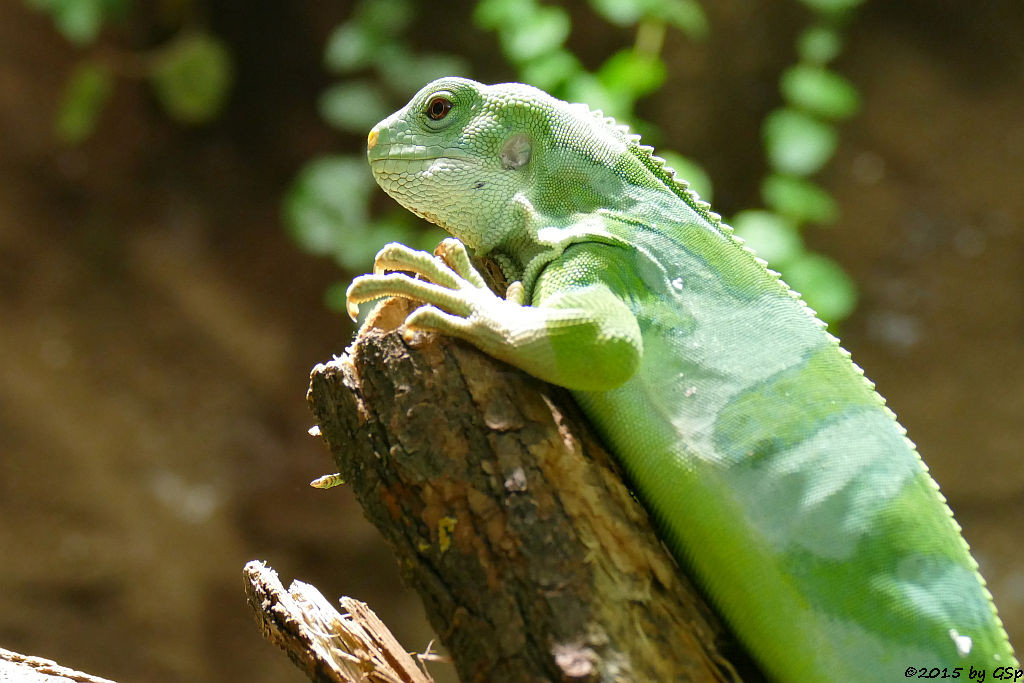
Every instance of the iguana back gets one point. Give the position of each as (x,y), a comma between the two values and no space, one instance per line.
(779,476)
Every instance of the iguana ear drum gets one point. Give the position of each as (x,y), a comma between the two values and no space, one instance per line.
(515,153)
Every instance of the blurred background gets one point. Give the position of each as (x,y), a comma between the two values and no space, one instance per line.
(184,197)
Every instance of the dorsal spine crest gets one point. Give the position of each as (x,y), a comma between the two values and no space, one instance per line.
(662,171)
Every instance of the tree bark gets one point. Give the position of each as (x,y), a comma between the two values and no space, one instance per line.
(507,516)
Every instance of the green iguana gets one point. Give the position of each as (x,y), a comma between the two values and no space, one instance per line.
(776,473)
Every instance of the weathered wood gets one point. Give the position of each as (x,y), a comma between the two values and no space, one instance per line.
(330,647)
(532,558)
(19,668)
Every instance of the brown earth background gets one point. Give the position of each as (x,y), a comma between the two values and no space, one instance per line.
(157,326)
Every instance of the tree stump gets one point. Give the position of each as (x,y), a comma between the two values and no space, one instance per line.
(507,516)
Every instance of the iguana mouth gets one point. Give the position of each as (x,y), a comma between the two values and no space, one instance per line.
(399,157)
(416,157)
(383,145)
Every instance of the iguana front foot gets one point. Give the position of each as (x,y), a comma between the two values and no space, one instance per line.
(559,342)
(458,301)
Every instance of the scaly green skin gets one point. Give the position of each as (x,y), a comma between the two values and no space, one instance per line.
(777,474)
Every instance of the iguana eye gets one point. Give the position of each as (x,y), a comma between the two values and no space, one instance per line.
(438,108)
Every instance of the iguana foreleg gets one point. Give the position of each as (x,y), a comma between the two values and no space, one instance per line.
(557,339)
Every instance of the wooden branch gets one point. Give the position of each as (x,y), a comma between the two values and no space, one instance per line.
(20,668)
(532,558)
(329,647)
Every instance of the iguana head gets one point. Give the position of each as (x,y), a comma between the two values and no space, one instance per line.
(475,158)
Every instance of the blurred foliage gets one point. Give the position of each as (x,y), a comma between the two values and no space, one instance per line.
(327,209)
(191,77)
(190,74)
(799,139)
(87,90)
(80,21)
(333,192)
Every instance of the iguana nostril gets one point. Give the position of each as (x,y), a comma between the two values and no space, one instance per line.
(371,139)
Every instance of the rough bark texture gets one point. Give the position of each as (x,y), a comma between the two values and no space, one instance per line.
(533,560)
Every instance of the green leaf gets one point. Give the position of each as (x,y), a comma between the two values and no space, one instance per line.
(621,12)
(798,199)
(327,204)
(494,14)
(386,17)
(819,45)
(819,91)
(80,21)
(798,143)
(353,106)
(551,70)
(533,34)
(824,285)
(631,74)
(87,91)
(690,171)
(192,77)
(686,15)
(349,47)
(772,237)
